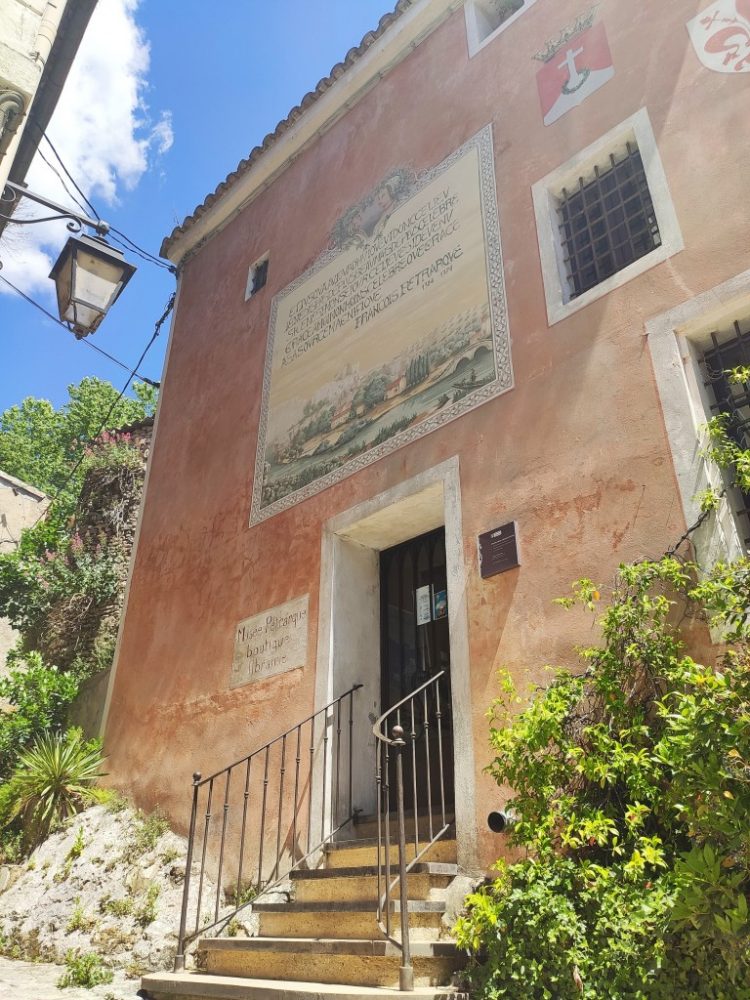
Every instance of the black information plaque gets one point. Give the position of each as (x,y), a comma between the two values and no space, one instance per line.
(498,550)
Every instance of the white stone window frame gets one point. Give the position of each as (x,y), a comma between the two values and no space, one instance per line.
(547,191)
(249,293)
(677,340)
(478,32)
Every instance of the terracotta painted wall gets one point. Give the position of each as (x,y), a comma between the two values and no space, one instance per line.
(576,452)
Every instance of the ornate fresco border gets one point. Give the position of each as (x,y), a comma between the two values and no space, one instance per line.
(483,143)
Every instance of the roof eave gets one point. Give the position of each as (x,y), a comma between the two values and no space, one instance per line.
(396,36)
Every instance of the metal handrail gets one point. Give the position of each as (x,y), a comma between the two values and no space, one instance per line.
(329,796)
(384,744)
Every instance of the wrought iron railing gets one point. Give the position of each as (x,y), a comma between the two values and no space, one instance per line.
(415,745)
(253,828)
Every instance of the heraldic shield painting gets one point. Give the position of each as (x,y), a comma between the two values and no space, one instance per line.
(721,36)
(400,327)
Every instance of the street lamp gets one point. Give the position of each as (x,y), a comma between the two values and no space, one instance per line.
(89,273)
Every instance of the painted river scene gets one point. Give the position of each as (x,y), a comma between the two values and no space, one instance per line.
(360,410)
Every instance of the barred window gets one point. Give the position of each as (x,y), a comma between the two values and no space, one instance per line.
(728,351)
(607,222)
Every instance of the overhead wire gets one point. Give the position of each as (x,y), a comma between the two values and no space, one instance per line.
(60,177)
(65,169)
(88,343)
(157,330)
(139,250)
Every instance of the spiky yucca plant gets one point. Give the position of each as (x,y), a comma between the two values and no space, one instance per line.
(54,779)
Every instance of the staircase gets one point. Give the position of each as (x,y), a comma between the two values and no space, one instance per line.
(326,941)
(368,914)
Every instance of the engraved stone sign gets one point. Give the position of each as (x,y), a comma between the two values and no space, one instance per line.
(271,643)
(398,328)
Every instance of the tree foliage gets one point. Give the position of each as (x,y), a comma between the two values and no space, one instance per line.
(41,445)
(54,572)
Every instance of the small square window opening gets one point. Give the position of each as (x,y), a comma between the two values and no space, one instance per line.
(486,18)
(256,277)
(607,222)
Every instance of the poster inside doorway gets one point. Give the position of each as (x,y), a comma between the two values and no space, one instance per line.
(397,329)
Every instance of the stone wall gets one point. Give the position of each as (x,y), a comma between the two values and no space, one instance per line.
(27,32)
(107,516)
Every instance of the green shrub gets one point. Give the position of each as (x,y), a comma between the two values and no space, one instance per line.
(144,835)
(632,795)
(117,907)
(39,696)
(78,920)
(85,970)
(146,912)
(54,780)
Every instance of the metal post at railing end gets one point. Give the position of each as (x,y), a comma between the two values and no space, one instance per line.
(179,961)
(406,972)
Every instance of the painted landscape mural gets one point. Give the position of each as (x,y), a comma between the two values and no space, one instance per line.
(398,328)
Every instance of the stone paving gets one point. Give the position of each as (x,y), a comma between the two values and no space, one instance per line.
(37,981)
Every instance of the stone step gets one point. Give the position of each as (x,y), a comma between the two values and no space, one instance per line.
(194,986)
(367,826)
(351,963)
(364,851)
(427,880)
(344,921)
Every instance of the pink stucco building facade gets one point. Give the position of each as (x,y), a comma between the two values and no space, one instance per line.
(387,326)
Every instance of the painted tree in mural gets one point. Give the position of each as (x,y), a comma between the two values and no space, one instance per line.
(631,789)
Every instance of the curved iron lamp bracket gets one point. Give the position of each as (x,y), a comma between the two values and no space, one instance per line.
(12,193)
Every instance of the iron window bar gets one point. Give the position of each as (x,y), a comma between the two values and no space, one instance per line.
(608,222)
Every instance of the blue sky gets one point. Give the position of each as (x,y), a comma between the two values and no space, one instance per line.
(176,92)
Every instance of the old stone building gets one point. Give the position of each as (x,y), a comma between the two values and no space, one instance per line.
(38,41)
(444,342)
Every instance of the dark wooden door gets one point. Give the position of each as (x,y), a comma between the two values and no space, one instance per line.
(415,645)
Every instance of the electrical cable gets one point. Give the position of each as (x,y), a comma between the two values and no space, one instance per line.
(145,254)
(157,330)
(60,177)
(88,343)
(67,172)
(134,246)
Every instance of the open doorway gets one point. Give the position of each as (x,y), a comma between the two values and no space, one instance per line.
(415,647)
(351,626)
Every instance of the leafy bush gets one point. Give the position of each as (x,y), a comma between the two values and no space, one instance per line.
(632,795)
(85,970)
(39,696)
(54,780)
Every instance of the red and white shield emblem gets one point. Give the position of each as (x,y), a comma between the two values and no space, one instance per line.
(721,36)
(578,68)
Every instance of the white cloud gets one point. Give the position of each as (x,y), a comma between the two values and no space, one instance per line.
(103,130)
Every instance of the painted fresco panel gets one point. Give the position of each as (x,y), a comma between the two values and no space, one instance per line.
(398,328)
